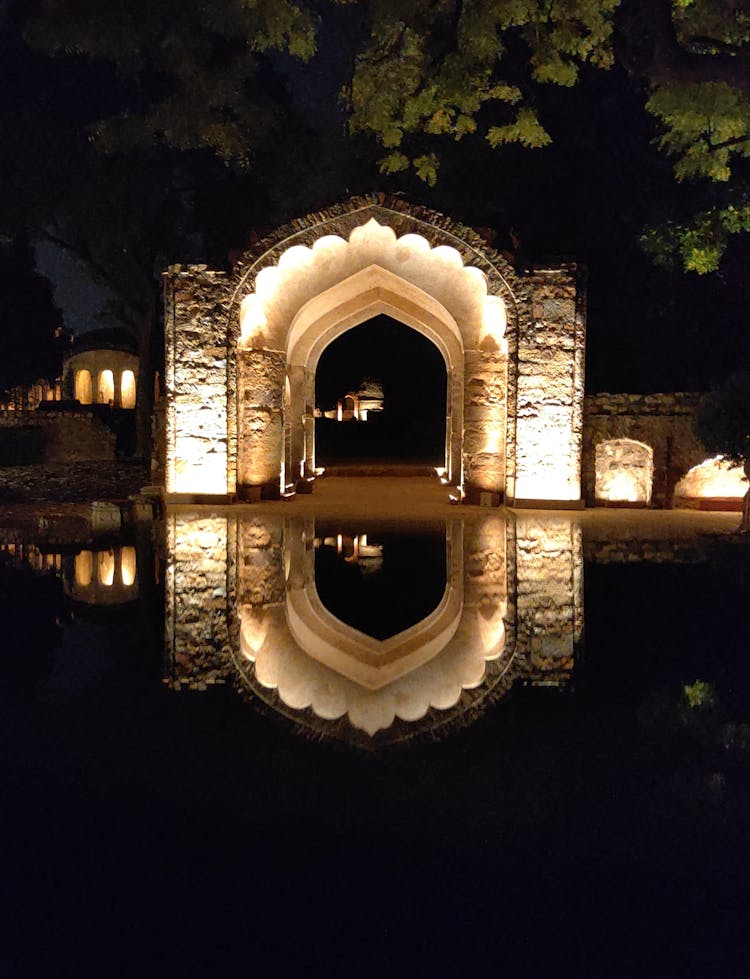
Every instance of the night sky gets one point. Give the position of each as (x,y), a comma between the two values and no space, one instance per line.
(585,198)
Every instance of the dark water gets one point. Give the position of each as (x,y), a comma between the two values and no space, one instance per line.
(596,828)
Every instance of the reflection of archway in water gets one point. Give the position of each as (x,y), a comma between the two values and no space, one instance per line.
(298,657)
(412,370)
(515,597)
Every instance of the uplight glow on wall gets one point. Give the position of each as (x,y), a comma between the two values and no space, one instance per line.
(713,479)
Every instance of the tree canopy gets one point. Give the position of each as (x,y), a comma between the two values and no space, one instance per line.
(445,71)
(177,126)
(204,75)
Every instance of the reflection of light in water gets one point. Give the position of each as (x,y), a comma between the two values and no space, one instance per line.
(84,568)
(127,565)
(314,660)
(713,478)
(355,550)
(510,612)
(301,681)
(106,567)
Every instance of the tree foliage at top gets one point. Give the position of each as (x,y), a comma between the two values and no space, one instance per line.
(448,69)
(189,69)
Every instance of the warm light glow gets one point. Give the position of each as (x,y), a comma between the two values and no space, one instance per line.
(252,318)
(106,563)
(106,388)
(624,471)
(620,487)
(714,478)
(494,437)
(127,389)
(128,565)
(84,568)
(545,470)
(83,387)
(494,322)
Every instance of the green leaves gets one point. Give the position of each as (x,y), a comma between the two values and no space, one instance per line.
(192,63)
(707,126)
(697,245)
(432,68)
(525,129)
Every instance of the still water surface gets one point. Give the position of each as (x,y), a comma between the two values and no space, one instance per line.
(487,745)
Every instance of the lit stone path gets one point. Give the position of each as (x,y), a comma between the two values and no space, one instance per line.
(414,498)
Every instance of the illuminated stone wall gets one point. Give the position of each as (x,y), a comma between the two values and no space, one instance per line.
(195,380)
(241,351)
(664,422)
(549,386)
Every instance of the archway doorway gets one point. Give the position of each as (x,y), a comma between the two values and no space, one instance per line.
(380,396)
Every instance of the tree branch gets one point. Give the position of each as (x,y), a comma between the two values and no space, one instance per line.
(647,46)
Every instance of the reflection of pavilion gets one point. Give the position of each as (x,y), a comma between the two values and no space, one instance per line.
(242,603)
(104,575)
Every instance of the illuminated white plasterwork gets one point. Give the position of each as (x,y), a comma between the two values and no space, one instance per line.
(269,312)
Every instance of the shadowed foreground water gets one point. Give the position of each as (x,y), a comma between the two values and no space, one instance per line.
(596,827)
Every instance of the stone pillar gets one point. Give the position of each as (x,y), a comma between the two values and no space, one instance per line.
(195,381)
(486,373)
(260,434)
(549,393)
(295,420)
(308,422)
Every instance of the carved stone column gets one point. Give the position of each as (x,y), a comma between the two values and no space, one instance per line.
(260,435)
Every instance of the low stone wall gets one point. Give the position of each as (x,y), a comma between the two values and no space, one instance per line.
(664,422)
(28,437)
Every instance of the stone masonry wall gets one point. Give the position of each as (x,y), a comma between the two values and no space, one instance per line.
(662,421)
(54,436)
(195,330)
(549,389)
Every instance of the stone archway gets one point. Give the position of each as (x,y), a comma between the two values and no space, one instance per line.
(334,287)
(512,345)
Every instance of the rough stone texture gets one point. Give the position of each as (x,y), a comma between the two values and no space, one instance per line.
(522,412)
(624,471)
(196,380)
(549,597)
(54,436)
(197,626)
(548,390)
(520,612)
(664,422)
(71,482)
(260,396)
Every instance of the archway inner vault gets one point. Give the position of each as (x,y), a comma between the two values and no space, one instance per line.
(288,320)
